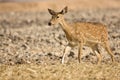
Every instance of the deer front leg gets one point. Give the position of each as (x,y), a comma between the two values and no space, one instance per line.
(66,50)
(80,46)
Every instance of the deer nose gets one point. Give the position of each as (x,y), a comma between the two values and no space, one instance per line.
(49,23)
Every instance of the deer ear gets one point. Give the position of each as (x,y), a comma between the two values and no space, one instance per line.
(64,10)
(51,12)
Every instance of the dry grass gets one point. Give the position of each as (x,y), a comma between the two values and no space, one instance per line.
(72,71)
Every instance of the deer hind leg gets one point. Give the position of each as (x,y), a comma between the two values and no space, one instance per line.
(107,48)
(97,50)
(66,51)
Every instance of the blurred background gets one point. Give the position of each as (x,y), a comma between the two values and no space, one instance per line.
(24,24)
(42,5)
(19,0)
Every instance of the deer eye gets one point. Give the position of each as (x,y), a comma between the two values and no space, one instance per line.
(57,16)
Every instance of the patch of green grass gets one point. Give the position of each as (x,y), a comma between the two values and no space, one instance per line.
(71,71)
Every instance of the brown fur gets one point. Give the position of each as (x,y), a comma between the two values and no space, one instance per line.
(89,34)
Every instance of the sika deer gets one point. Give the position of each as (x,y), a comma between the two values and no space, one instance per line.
(81,34)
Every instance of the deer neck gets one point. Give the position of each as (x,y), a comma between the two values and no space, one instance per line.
(66,28)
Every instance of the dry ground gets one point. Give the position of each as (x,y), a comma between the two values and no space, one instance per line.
(72,71)
(32,50)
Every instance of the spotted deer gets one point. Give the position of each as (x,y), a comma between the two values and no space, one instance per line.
(93,35)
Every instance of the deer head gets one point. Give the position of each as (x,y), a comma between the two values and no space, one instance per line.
(57,17)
